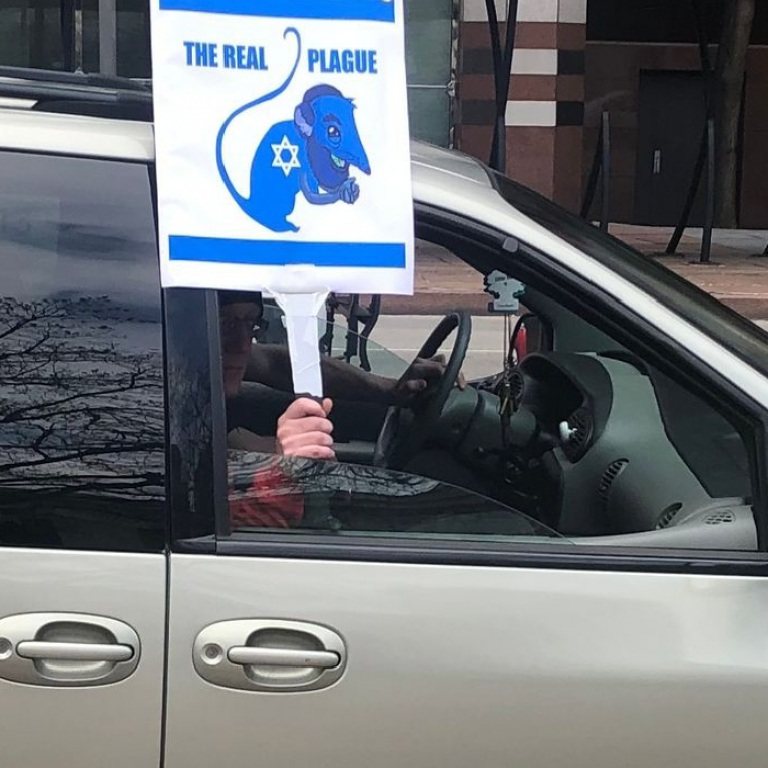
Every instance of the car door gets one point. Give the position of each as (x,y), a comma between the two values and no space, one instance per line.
(82,465)
(411,646)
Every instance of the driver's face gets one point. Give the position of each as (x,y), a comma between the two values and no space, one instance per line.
(238,322)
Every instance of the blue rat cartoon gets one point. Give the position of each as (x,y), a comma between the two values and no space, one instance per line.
(311,154)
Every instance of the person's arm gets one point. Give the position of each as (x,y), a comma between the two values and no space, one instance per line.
(271,365)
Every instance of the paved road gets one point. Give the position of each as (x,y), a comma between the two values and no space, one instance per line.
(403,336)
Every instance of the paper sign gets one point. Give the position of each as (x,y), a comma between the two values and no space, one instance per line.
(282,144)
(301,325)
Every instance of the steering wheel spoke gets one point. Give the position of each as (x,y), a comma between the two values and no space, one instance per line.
(398,442)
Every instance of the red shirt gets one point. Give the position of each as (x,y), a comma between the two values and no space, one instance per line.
(272,501)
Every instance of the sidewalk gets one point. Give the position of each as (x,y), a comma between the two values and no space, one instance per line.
(735,275)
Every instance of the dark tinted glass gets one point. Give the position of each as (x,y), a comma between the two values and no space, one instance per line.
(663,21)
(82,462)
(41,34)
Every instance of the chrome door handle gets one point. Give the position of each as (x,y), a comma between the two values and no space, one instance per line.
(66,649)
(269,655)
(31,649)
(282,657)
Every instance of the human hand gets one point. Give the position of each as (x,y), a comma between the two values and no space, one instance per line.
(420,375)
(304,430)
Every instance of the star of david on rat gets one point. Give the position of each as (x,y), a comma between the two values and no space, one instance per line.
(312,154)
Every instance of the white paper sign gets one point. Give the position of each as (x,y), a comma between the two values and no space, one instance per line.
(282,144)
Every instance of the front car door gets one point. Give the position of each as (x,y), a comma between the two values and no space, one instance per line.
(379,632)
(82,464)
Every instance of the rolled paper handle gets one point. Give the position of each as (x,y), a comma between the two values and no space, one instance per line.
(307,396)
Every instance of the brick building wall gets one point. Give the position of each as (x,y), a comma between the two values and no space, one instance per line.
(545,107)
(560,84)
(613,72)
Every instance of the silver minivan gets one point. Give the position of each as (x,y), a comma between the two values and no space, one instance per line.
(561,564)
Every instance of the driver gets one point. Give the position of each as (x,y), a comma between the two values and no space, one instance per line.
(305,429)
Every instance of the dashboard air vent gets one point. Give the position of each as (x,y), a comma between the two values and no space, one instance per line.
(517,385)
(580,436)
(609,477)
(718,518)
(667,517)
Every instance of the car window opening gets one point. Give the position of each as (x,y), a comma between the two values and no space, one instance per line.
(545,428)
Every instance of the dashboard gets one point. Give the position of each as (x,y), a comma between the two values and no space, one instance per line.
(609,464)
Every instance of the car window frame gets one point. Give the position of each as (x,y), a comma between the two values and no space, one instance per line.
(307,545)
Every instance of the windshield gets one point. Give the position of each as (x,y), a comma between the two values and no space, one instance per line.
(724,325)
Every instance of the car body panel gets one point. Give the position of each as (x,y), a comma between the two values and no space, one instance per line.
(28,131)
(118,725)
(456,666)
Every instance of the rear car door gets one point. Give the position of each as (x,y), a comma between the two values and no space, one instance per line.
(82,465)
(337,647)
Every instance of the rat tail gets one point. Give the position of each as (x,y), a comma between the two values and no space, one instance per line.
(242,201)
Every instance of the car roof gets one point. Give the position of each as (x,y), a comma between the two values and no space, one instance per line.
(79,135)
(462,168)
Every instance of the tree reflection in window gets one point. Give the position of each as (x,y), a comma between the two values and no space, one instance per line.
(81,416)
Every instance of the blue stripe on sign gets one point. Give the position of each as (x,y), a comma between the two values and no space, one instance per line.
(281,253)
(356,10)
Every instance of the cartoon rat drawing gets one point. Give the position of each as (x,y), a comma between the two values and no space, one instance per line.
(311,154)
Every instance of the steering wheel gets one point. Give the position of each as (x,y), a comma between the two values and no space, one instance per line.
(398,442)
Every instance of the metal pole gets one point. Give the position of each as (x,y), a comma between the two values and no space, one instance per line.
(706,240)
(37,36)
(67,18)
(594,176)
(698,172)
(605,211)
(502,70)
(699,12)
(78,35)
(497,160)
(108,37)
(503,94)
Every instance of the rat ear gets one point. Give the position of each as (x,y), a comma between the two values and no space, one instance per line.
(304,118)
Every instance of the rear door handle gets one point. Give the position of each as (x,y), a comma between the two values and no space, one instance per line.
(31,649)
(66,649)
(269,655)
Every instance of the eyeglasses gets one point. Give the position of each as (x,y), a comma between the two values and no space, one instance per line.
(237,325)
